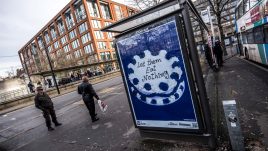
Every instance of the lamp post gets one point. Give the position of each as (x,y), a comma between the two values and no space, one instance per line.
(49,62)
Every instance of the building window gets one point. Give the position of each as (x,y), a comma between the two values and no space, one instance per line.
(69,57)
(49,49)
(80,12)
(99,35)
(250,37)
(266,33)
(105,10)
(112,45)
(101,45)
(56,44)
(59,53)
(118,12)
(85,38)
(114,55)
(63,40)
(107,23)
(66,48)
(258,35)
(88,49)
(60,27)
(83,27)
(108,55)
(131,12)
(75,44)
(78,53)
(69,20)
(47,38)
(34,49)
(93,8)
(96,23)
(40,44)
(53,33)
(72,34)
(110,35)
(91,59)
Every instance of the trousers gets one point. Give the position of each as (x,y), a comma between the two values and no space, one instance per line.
(50,112)
(90,104)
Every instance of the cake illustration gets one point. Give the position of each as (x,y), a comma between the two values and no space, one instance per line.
(156,79)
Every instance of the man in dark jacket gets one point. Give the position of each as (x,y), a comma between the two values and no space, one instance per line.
(87,91)
(218,52)
(44,103)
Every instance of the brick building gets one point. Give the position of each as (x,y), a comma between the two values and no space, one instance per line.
(74,41)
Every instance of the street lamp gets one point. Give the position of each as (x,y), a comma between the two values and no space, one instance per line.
(49,62)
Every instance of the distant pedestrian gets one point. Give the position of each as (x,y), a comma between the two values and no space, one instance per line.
(49,83)
(44,103)
(208,55)
(87,92)
(31,87)
(218,53)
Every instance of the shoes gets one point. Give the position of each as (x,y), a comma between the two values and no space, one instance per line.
(50,129)
(95,119)
(58,124)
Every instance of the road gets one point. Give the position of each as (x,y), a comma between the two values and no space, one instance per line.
(19,130)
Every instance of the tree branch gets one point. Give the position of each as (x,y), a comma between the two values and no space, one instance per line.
(223,5)
(212,6)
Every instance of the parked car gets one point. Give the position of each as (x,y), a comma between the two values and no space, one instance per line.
(64,81)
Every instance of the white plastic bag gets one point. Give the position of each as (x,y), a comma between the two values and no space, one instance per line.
(102,105)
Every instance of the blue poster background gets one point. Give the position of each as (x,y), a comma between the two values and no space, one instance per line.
(159,36)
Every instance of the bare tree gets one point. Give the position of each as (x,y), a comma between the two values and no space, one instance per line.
(218,7)
(143,4)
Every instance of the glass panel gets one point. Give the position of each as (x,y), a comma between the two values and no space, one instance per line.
(69,20)
(266,33)
(80,13)
(246,6)
(82,28)
(250,37)
(118,12)
(93,9)
(258,35)
(106,13)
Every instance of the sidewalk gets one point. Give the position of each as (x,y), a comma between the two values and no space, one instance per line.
(248,85)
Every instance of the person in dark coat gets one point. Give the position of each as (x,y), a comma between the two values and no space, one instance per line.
(31,87)
(218,53)
(44,103)
(87,92)
(208,55)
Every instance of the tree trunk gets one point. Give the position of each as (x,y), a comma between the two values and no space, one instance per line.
(221,34)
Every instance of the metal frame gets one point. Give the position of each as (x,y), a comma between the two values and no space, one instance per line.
(192,87)
(192,65)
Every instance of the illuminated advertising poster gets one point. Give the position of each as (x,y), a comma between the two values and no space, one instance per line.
(156,78)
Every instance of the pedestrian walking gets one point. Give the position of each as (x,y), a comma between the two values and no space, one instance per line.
(208,55)
(44,103)
(87,92)
(218,53)
(31,87)
(49,83)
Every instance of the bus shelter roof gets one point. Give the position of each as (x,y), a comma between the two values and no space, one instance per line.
(153,13)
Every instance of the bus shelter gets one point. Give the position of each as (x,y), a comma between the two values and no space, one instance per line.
(162,74)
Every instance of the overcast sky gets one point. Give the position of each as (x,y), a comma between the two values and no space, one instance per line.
(20,20)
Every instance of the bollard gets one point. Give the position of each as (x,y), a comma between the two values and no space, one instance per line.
(233,125)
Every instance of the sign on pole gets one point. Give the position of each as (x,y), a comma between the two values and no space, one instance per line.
(155,74)
(205,16)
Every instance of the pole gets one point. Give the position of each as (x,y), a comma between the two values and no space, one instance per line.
(50,65)
(198,76)
(211,25)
